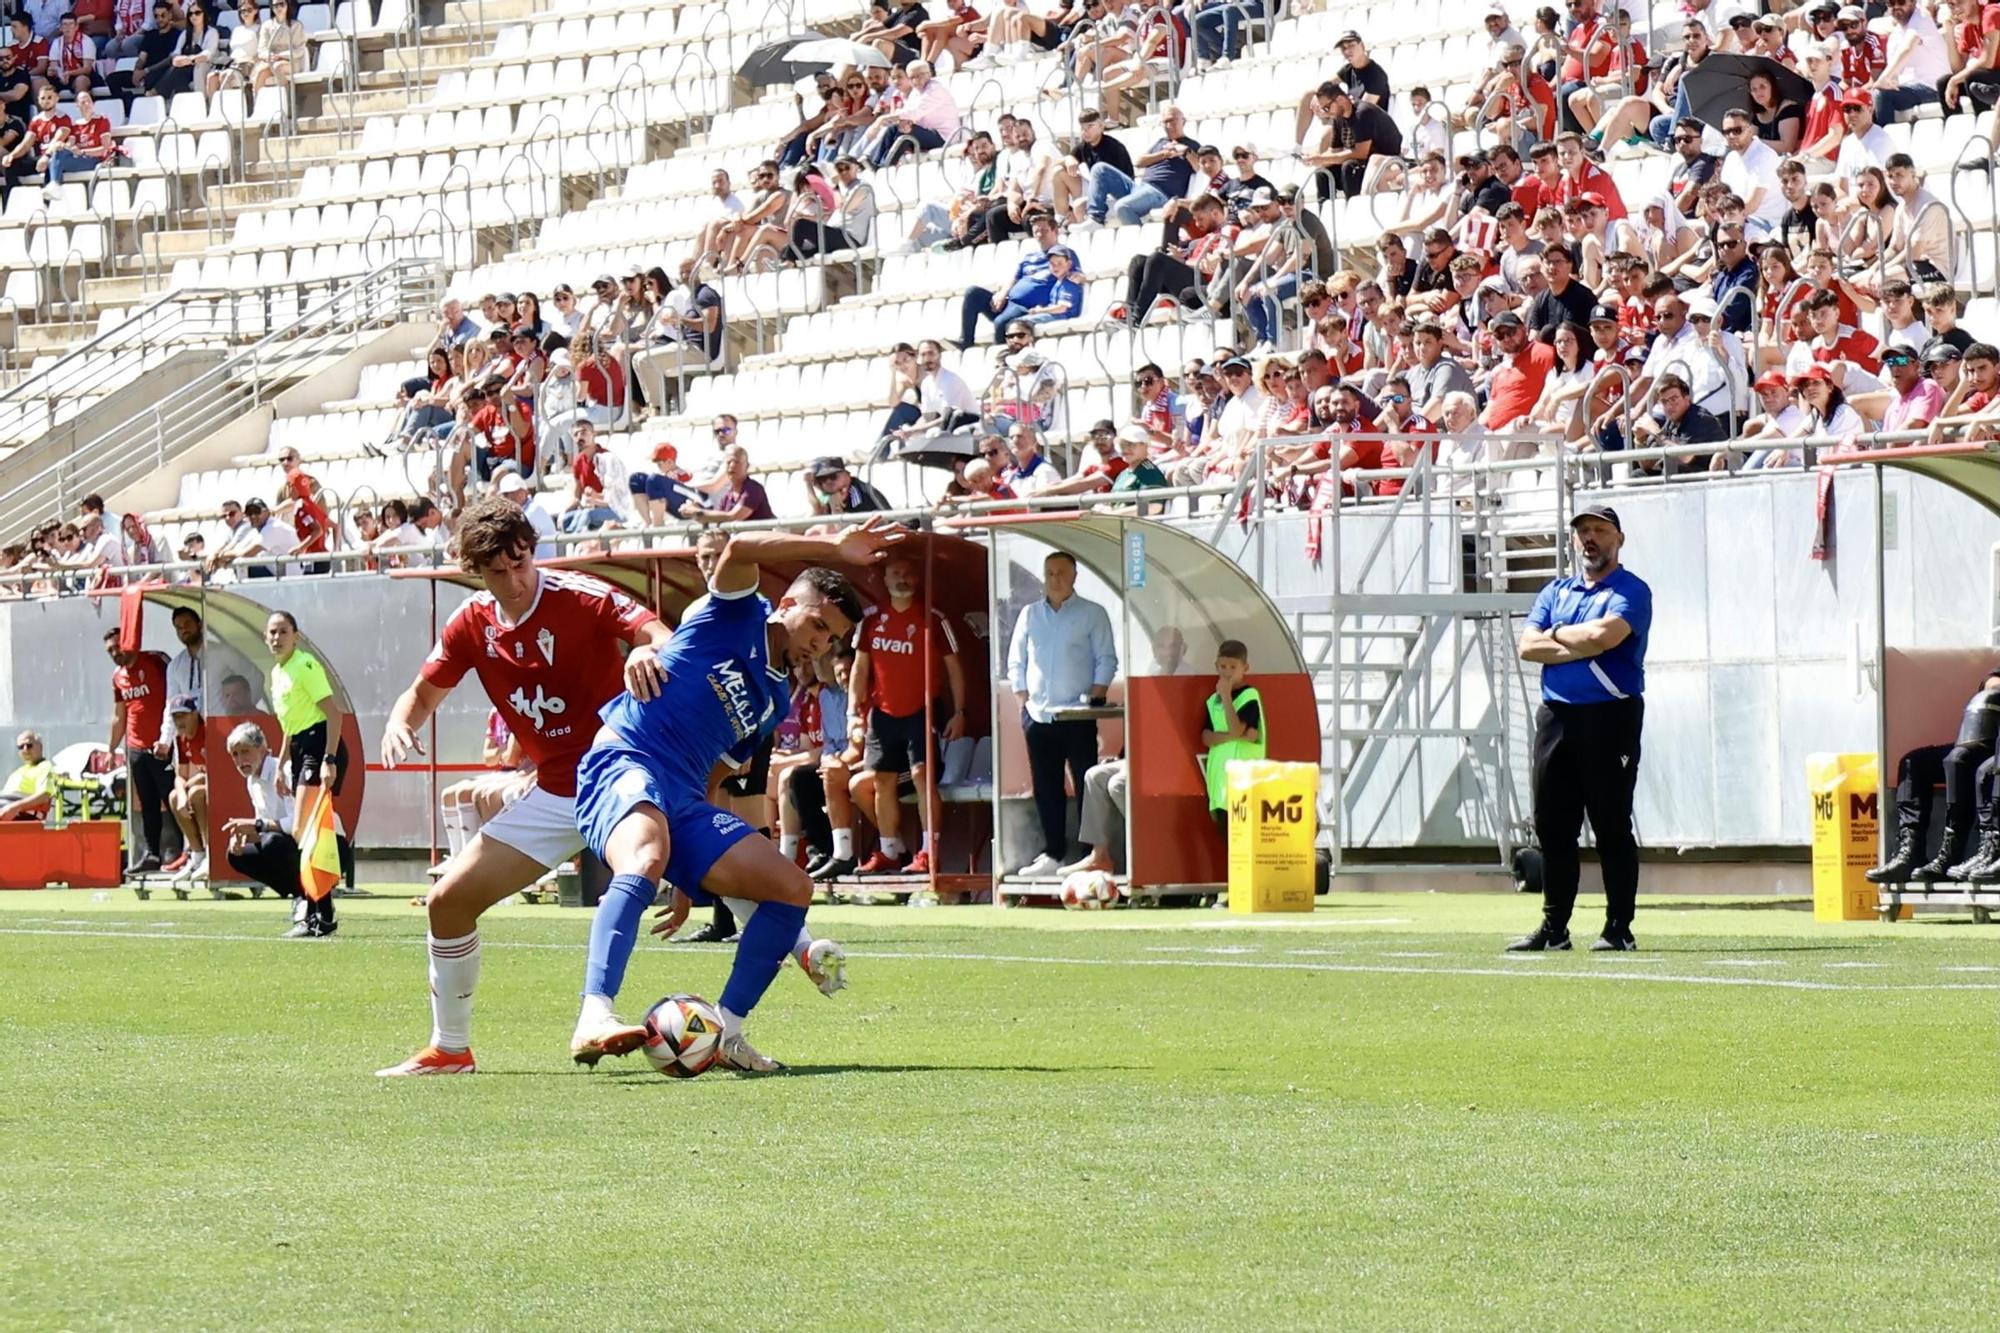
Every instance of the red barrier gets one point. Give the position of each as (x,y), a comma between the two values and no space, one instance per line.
(83,855)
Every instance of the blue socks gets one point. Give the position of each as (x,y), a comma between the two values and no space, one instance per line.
(767,941)
(615,930)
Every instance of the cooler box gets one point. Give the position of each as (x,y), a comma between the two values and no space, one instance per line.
(1273,821)
(1847,828)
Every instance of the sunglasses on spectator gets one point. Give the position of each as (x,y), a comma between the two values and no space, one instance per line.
(1149,379)
(1012,336)
(24,745)
(990,453)
(1731,131)
(288,458)
(1242,157)
(724,429)
(1687,138)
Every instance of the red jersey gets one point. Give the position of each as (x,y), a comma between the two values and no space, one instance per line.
(1635,321)
(1532,192)
(142,689)
(188,751)
(1850,345)
(585,472)
(30,54)
(309,517)
(1593,179)
(46,128)
(1863,60)
(893,641)
(1823,113)
(1972,36)
(92,133)
(547,674)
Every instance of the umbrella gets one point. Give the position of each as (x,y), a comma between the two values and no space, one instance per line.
(801,55)
(939,450)
(1721,84)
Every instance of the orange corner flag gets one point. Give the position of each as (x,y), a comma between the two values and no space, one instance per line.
(319,846)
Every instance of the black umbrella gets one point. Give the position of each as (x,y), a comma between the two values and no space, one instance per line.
(943,451)
(782,61)
(1721,84)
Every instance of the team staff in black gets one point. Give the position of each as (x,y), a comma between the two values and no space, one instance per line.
(1957,768)
(1588,633)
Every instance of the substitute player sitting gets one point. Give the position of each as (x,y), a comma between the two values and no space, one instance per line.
(898,665)
(641,789)
(541,643)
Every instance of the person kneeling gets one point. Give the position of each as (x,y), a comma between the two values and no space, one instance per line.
(262,848)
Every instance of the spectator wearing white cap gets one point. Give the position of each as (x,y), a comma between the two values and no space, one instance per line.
(514,488)
(1918,61)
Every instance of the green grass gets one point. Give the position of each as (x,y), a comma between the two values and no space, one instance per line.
(1366,1119)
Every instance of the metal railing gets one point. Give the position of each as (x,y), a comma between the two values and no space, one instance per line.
(144,443)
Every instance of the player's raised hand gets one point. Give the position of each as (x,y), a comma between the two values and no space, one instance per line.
(644,676)
(673,916)
(870,540)
(398,744)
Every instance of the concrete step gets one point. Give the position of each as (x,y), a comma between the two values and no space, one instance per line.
(41,339)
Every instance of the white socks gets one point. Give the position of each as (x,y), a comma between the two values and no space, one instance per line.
(893,848)
(596,1009)
(843,843)
(461,823)
(454,974)
(732,1024)
(925,845)
(788,846)
(743,909)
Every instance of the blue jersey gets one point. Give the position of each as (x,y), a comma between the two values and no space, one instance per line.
(1618,674)
(722,696)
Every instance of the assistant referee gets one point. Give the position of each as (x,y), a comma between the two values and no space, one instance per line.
(1588,633)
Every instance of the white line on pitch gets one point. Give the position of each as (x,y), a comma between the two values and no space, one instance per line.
(412,944)
(1743,962)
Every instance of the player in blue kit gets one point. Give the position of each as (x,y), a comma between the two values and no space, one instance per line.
(642,789)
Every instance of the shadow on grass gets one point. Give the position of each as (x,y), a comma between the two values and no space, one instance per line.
(641,1073)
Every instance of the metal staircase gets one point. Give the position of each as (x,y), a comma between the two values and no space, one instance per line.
(247,378)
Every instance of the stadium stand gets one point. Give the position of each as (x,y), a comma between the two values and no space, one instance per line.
(461,153)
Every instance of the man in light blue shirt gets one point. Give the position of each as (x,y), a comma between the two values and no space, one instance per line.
(1061,656)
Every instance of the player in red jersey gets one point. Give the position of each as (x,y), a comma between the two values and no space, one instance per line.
(889,674)
(539,641)
(139,685)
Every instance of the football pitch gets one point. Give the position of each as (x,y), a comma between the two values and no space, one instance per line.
(1364,1119)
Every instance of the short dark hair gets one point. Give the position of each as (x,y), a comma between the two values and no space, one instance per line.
(91,504)
(1667,382)
(490,528)
(1900,160)
(831,585)
(1059,555)
(291,621)
(111,635)
(1233,648)
(1982,352)
(180,611)
(1824,299)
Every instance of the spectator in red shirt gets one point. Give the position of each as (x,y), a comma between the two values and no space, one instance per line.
(139,687)
(46,130)
(1543,183)
(302,504)
(1975,55)
(1862,55)
(1517,382)
(1581,176)
(1834,341)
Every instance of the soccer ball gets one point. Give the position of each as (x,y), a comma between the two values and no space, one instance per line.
(683,1035)
(1088,890)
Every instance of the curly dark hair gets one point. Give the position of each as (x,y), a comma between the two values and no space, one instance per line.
(489,528)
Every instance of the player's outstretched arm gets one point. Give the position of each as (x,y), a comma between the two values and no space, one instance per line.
(399,737)
(861,544)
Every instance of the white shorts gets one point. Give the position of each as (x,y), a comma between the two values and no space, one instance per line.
(540,826)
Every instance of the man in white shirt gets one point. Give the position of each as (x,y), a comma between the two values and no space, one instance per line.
(1918,61)
(1691,347)
(261,848)
(514,489)
(1031,473)
(189,672)
(1866,144)
(100,546)
(944,400)
(1750,170)
(271,536)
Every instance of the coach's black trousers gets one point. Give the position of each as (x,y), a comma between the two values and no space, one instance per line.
(1053,746)
(149,779)
(1587,764)
(807,786)
(271,859)
(1956,767)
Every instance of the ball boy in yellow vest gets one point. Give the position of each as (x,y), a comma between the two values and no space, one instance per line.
(1235,726)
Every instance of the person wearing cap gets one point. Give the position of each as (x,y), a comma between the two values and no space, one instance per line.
(30,789)
(1500,34)
(1824,125)
(1286,260)
(1862,58)
(1761,441)
(188,800)
(1588,632)
(1919,401)
(514,489)
(1827,410)
(1517,381)
(1357,135)
(832,489)
(1973,400)
(1941,366)
(1364,80)
(1916,58)
(1865,144)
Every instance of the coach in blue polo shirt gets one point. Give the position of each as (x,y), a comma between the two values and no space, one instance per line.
(1588,633)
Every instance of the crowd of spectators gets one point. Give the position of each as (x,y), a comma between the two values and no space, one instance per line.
(58,62)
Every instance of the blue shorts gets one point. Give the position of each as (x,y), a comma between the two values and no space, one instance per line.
(613,780)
